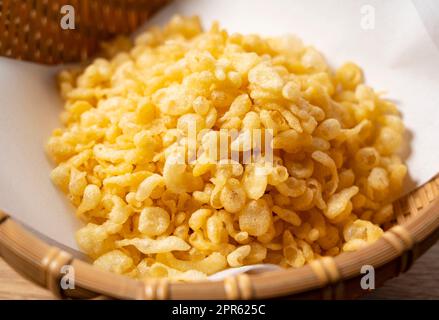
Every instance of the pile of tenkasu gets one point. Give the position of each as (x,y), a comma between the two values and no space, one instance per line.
(327,188)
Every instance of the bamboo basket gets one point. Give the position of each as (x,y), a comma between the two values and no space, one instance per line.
(30,29)
(416,229)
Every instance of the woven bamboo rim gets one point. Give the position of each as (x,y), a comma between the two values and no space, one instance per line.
(22,24)
(328,278)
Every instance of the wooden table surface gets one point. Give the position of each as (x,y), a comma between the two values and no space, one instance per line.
(421,282)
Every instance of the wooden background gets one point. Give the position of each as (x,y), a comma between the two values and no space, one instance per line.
(421,282)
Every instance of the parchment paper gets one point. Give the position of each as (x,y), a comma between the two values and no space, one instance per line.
(398,56)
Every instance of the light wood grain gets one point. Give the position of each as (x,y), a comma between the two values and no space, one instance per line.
(14,286)
(421,282)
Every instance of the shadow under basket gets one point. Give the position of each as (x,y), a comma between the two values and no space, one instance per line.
(30,31)
(417,229)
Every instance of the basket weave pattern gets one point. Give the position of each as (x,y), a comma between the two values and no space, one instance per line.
(31,29)
(327,278)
